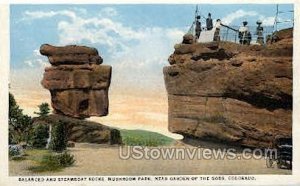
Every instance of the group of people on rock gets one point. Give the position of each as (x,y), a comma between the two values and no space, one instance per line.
(198,28)
(244,33)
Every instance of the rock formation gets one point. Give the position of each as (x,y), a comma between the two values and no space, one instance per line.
(77,82)
(82,131)
(79,89)
(231,93)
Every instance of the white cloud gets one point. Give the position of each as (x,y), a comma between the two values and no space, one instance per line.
(267,21)
(29,15)
(96,30)
(29,63)
(39,14)
(237,15)
(37,53)
(37,61)
(100,29)
(137,55)
(80,10)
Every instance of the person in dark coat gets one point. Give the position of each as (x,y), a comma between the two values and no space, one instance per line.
(259,33)
(198,27)
(209,22)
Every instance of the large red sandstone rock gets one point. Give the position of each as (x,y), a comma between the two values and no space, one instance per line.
(77,82)
(241,96)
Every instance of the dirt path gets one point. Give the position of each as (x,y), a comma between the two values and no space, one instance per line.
(102,160)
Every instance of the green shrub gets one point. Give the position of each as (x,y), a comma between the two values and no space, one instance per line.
(61,160)
(66,159)
(40,135)
(15,150)
(54,162)
(115,137)
(58,137)
(16,153)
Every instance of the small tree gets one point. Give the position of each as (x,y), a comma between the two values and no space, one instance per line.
(58,137)
(40,135)
(44,110)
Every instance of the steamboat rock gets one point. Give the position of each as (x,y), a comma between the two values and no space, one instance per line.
(231,93)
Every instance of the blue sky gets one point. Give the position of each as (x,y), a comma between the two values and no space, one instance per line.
(135,39)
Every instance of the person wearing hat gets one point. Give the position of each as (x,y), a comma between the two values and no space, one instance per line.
(217,31)
(259,33)
(209,22)
(244,34)
(198,27)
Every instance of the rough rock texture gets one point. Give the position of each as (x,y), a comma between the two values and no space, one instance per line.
(231,93)
(82,131)
(188,39)
(71,54)
(77,82)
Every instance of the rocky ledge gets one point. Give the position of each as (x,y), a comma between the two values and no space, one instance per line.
(77,82)
(231,93)
(82,131)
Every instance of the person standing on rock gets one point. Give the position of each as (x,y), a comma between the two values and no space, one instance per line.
(217,32)
(244,34)
(209,22)
(198,27)
(259,33)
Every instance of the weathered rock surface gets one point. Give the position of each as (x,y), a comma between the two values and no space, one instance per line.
(82,131)
(188,39)
(231,93)
(77,82)
(71,54)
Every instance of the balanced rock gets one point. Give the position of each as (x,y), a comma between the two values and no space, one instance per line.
(240,95)
(77,82)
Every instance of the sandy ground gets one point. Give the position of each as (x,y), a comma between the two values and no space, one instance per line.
(99,160)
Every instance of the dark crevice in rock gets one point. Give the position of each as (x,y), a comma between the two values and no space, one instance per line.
(83,105)
(211,143)
(198,95)
(219,54)
(282,76)
(268,103)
